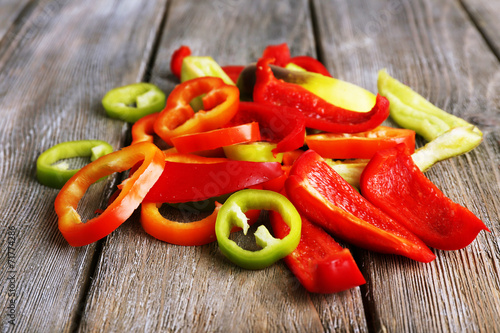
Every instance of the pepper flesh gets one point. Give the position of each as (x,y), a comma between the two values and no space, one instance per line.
(56,175)
(177,59)
(129,198)
(411,110)
(319,262)
(134,101)
(415,202)
(360,145)
(217,138)
(192,233)
(284,126)
(329,201)
(178,118)
(231,214)
(318,113)
(212,179)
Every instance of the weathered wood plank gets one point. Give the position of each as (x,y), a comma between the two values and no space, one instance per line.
(52,78)
(485,15)
(144,284)
(434,48)
(12,11)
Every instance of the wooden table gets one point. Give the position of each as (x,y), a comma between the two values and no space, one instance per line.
(59,57)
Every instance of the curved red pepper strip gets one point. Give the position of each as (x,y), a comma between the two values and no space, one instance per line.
(217,138)
(320,264)
(310,64)
(282,125)
(143,129)
(325,198)
(182,182)
(280,53)
(177,58)
(318,113)
(393,182)
(129,198)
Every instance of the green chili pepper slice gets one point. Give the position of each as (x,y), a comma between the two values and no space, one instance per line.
(457,141)
(232,214)
(411,110)
(56,175)
(134,101)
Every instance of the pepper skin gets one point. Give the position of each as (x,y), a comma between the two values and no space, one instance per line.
(393,182)
(129,198)
(319,114)
(319,262)
(324,197)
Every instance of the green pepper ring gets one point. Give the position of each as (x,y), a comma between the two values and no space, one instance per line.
(272,249)
(147,98)
(53,175)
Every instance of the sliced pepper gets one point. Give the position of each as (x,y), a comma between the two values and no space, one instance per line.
(181,182)
(143,129)
(217,138)
(193,233)
(284,126)
(454,142)
(177,59)
(196,66)
(55,175)
(310,64)
(320,264)
(280,53)
(324,197)
(131,194)
(340,93)
(253,152)
(415,202)
(232,214)
(178,118)
(360,145)
(411,110)
(132,102)
(319,114)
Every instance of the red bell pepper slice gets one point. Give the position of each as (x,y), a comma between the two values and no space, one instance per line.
(280,53)
(129,198)
(220,103)
(217,138)
(282,125)
(143,129)
(310,64)
(233,71)
(325,198)
(360,145)
(177,59)
(320,264)
(393,182)
(182,182)
(318,113)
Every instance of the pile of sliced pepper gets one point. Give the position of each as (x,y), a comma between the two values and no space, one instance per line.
(238,142)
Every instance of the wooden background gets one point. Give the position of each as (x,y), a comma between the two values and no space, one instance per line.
(59,57)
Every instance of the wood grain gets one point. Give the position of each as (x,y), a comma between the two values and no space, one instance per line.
(432,47)
(485,15)
(147,285)
(53,76)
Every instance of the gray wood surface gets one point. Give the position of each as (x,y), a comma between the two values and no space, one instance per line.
(445,59)
(52,77)
(58,58)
